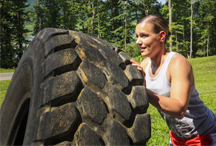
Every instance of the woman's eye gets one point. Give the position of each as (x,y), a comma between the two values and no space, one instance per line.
(143,36)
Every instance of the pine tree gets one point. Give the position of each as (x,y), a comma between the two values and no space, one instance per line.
(47,14)
(207,23)
(19,18)
(69,16)
(12,32)
(7,52)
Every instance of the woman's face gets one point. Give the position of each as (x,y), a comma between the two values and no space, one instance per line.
(148,41)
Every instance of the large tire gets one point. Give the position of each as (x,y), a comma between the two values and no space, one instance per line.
(71,88)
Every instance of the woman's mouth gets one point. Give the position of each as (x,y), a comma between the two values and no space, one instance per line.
(142,49)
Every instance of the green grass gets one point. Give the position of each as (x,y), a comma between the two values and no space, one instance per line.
(205,80)
(2,70)
(3,89)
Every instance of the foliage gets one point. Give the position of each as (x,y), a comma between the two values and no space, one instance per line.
(110,20)
(105,19)
(206,21)
(13,32)
(200,53)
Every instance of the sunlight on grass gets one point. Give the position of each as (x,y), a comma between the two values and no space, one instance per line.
(205,79)
(3,89)
(2,70)
(159,129)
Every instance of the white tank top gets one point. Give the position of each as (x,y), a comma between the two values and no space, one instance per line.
(198,120)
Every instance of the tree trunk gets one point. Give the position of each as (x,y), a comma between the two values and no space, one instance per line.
(125,41)
(19,32)
(98,18)
(207,46)
(176,41)
(170,22)
(88,15)
(191,30)
(92,21)
(204,46)
(112,11)
(64,15)
(39,16)
(183,36)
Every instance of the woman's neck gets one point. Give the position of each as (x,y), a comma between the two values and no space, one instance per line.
(159,58)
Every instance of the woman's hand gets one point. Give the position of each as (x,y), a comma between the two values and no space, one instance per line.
(140,68)
(136,64)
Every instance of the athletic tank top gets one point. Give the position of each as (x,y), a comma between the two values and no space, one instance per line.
(198,119)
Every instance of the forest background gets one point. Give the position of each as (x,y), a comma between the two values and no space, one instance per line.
(192,23)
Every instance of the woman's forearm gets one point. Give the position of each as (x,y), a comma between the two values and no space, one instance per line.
(170,106)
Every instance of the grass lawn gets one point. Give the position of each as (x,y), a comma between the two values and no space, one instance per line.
(205,80)
(3,89)
(2,70)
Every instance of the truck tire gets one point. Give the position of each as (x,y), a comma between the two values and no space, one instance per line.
(73,89)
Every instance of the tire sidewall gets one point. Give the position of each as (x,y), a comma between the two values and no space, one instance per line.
(25,84)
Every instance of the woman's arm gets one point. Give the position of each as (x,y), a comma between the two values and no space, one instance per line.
(181,78)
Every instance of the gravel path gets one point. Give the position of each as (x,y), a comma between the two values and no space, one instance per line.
(6,76)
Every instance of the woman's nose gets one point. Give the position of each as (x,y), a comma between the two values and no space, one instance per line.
(138,41)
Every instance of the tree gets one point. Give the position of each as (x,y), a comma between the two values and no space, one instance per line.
(47,14)
(93,17)
(98,18)
(12,32)
(125,39)
(19,18)
(38,17)
(206,19)
(7,50)
(116,25)
(179,27)
(69,14)
(170,22)
(191,30)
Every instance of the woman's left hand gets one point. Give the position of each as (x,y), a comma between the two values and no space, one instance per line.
(140,68)
(136,64)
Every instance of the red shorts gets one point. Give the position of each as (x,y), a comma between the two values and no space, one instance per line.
(202,140)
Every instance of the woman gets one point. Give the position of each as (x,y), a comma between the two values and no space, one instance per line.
(170,86)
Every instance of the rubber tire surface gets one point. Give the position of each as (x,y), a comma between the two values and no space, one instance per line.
(80,90)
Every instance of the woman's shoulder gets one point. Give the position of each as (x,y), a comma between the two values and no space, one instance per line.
(178,59)
(179,63)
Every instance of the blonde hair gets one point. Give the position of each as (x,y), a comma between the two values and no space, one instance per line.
(159,24)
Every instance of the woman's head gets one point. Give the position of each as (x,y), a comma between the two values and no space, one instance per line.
(152,32)
(158,23)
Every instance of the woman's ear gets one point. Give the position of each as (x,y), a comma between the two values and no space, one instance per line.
(162,36)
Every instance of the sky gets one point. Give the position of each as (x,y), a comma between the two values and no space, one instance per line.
(162,1)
